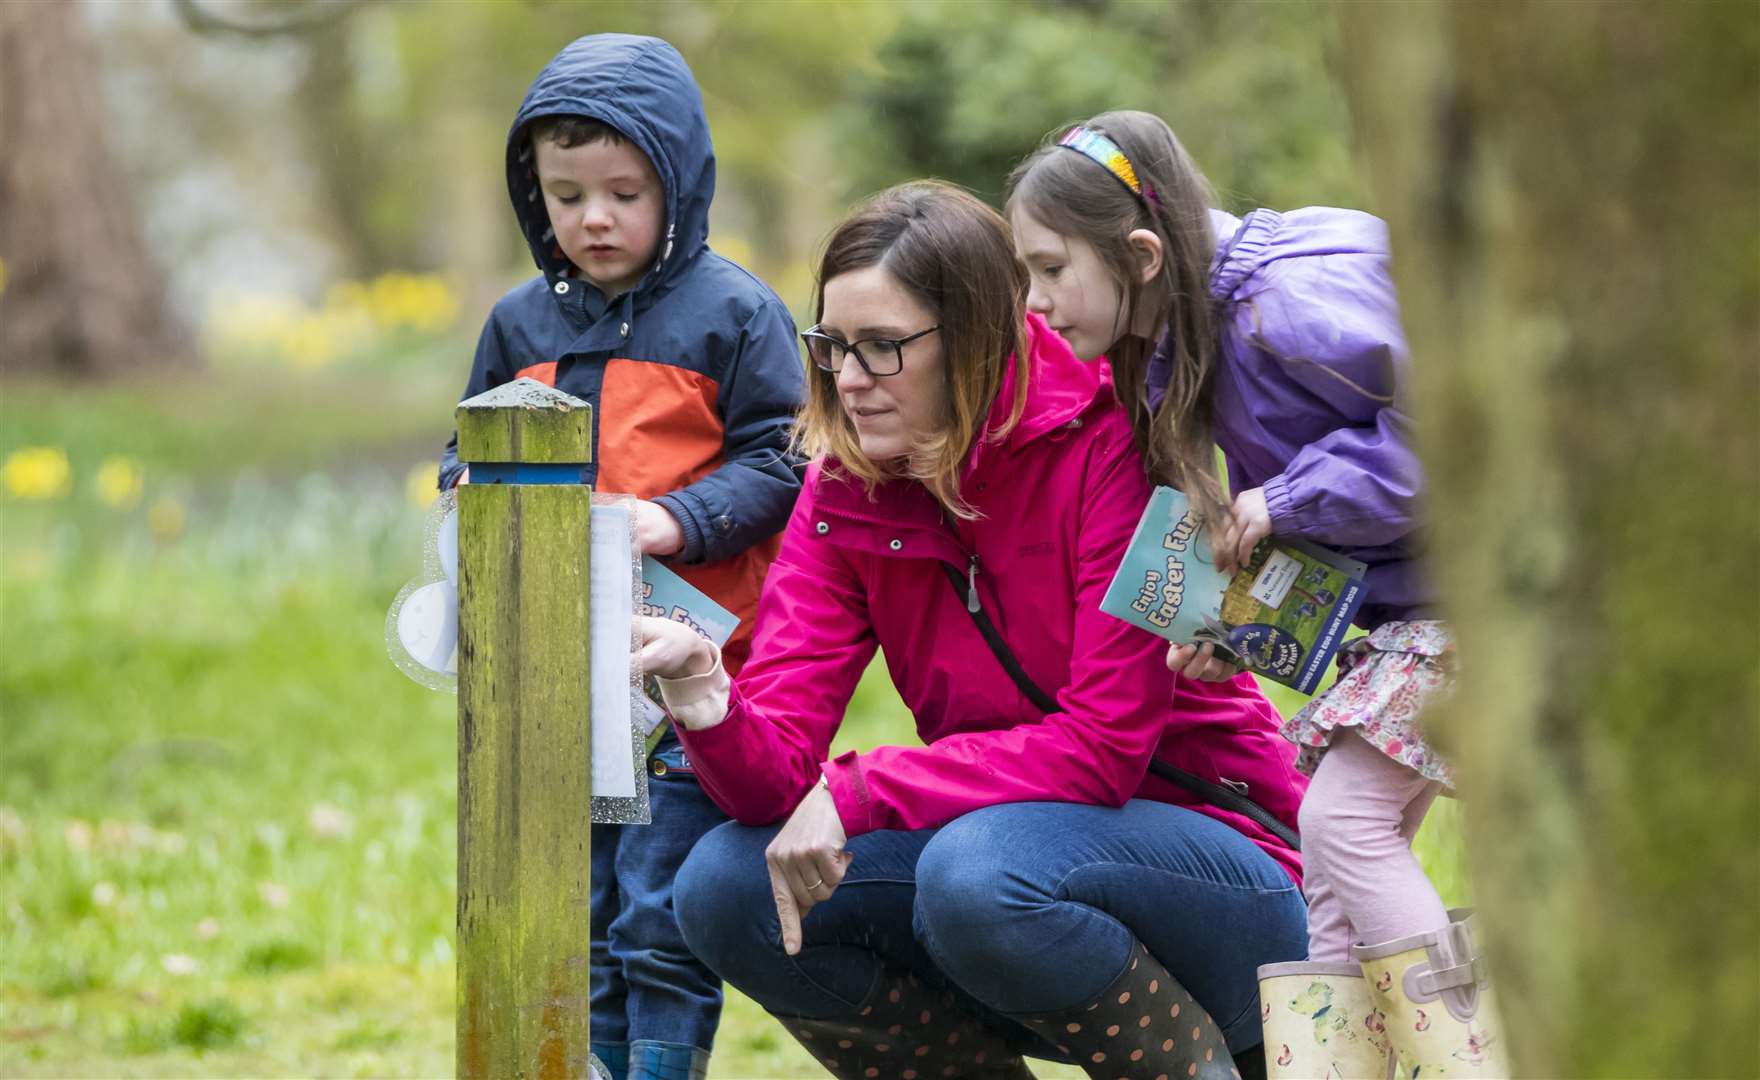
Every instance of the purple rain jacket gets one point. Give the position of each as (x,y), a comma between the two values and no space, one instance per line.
(1310,395)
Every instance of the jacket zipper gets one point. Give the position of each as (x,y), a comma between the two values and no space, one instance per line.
(972,604)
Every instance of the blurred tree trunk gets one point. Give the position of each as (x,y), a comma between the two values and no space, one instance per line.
(1574,194)
(470,228)
(81,295)
(349,159)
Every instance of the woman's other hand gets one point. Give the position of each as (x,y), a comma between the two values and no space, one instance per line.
(1200,662)
(1248,523)
(672,650)
(806,861)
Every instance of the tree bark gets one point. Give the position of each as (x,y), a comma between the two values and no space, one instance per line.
(1572,191)
(349,160)
(82,296)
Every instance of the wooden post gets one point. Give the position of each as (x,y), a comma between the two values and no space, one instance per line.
(524,752)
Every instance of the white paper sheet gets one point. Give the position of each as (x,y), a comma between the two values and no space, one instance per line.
(612,591)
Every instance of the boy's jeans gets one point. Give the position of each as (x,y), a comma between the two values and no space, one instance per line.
(647,987)
(1020,908)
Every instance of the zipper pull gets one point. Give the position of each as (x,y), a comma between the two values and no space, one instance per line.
(972,585)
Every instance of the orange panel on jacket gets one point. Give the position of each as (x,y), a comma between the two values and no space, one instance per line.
(544,373)
(658,432)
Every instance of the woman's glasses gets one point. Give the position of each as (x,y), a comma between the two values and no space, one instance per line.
(877,356)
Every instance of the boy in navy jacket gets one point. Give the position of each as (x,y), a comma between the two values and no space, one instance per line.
(692,369)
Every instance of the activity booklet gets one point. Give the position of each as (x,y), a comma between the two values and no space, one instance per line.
(666,595)
(1283,617)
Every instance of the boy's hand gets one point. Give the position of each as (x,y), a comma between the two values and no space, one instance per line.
(463,477)
(1248,523)
(657,531)
(1195,662)
(672,650)
(806,861)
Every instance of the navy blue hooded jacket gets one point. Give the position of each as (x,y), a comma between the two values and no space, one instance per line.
(694,375)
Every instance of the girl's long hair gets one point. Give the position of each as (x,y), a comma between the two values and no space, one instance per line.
(955,256)
(1071,194)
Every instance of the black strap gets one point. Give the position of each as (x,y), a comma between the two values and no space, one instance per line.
(1218,795)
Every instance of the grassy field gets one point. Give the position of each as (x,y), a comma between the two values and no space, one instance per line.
(227,835)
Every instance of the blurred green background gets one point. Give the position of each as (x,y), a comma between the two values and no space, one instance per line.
(227,823)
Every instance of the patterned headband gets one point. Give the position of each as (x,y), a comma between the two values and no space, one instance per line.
(1104,152)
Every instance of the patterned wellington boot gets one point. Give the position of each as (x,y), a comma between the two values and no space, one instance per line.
(908,1031)
(1143,1025)
(1433,992)
(666,1061)
(611,1059)
(1321,1024)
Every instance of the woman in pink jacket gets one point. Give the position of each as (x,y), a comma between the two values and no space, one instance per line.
(1020,884)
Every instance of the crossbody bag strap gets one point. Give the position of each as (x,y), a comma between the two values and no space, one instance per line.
(1215,794)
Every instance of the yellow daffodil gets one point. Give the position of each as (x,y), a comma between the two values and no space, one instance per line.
(421,485)
(37,472)
(119,483)
(165,519)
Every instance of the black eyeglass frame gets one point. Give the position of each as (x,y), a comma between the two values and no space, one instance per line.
(841,349)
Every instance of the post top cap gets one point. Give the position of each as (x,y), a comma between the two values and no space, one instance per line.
(524,393)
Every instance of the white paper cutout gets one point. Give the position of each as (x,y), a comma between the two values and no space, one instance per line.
(421,637)
(612,596)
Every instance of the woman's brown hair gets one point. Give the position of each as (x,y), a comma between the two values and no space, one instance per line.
(955,256)
(1073,195)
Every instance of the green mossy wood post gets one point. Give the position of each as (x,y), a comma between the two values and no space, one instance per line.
(524,768)
(1574,197)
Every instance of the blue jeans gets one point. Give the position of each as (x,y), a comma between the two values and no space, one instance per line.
(1023,908)
(646,985)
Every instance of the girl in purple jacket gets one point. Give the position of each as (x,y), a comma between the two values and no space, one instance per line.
(1277,337)
(1018,882)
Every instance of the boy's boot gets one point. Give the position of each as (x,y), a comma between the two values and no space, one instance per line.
(611,1059)
(1144,1024)
(666,1061)
(907,1031)
(1432,990)
(1320,1021)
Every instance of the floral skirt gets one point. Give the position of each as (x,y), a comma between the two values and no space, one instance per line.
(1385,680)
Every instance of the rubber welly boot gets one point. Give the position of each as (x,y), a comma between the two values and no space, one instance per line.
(908,1031)
(1320,1022)
(1434,994)
(667,1061)
(1143,1025)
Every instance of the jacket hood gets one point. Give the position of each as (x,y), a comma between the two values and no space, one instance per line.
(642,87)
(1247,245)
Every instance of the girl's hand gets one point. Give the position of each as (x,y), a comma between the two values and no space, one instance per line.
(1195,662)
(806,862)
(657,531)
(1248,523)
(673,650)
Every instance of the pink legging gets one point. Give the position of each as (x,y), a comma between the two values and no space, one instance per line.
(1363,883)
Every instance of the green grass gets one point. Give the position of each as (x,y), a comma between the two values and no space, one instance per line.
(227,823)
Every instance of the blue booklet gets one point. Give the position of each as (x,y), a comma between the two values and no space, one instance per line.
(668,596)
(1283,617)
(665,595)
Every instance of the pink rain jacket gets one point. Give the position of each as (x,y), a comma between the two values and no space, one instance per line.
(1060,496)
